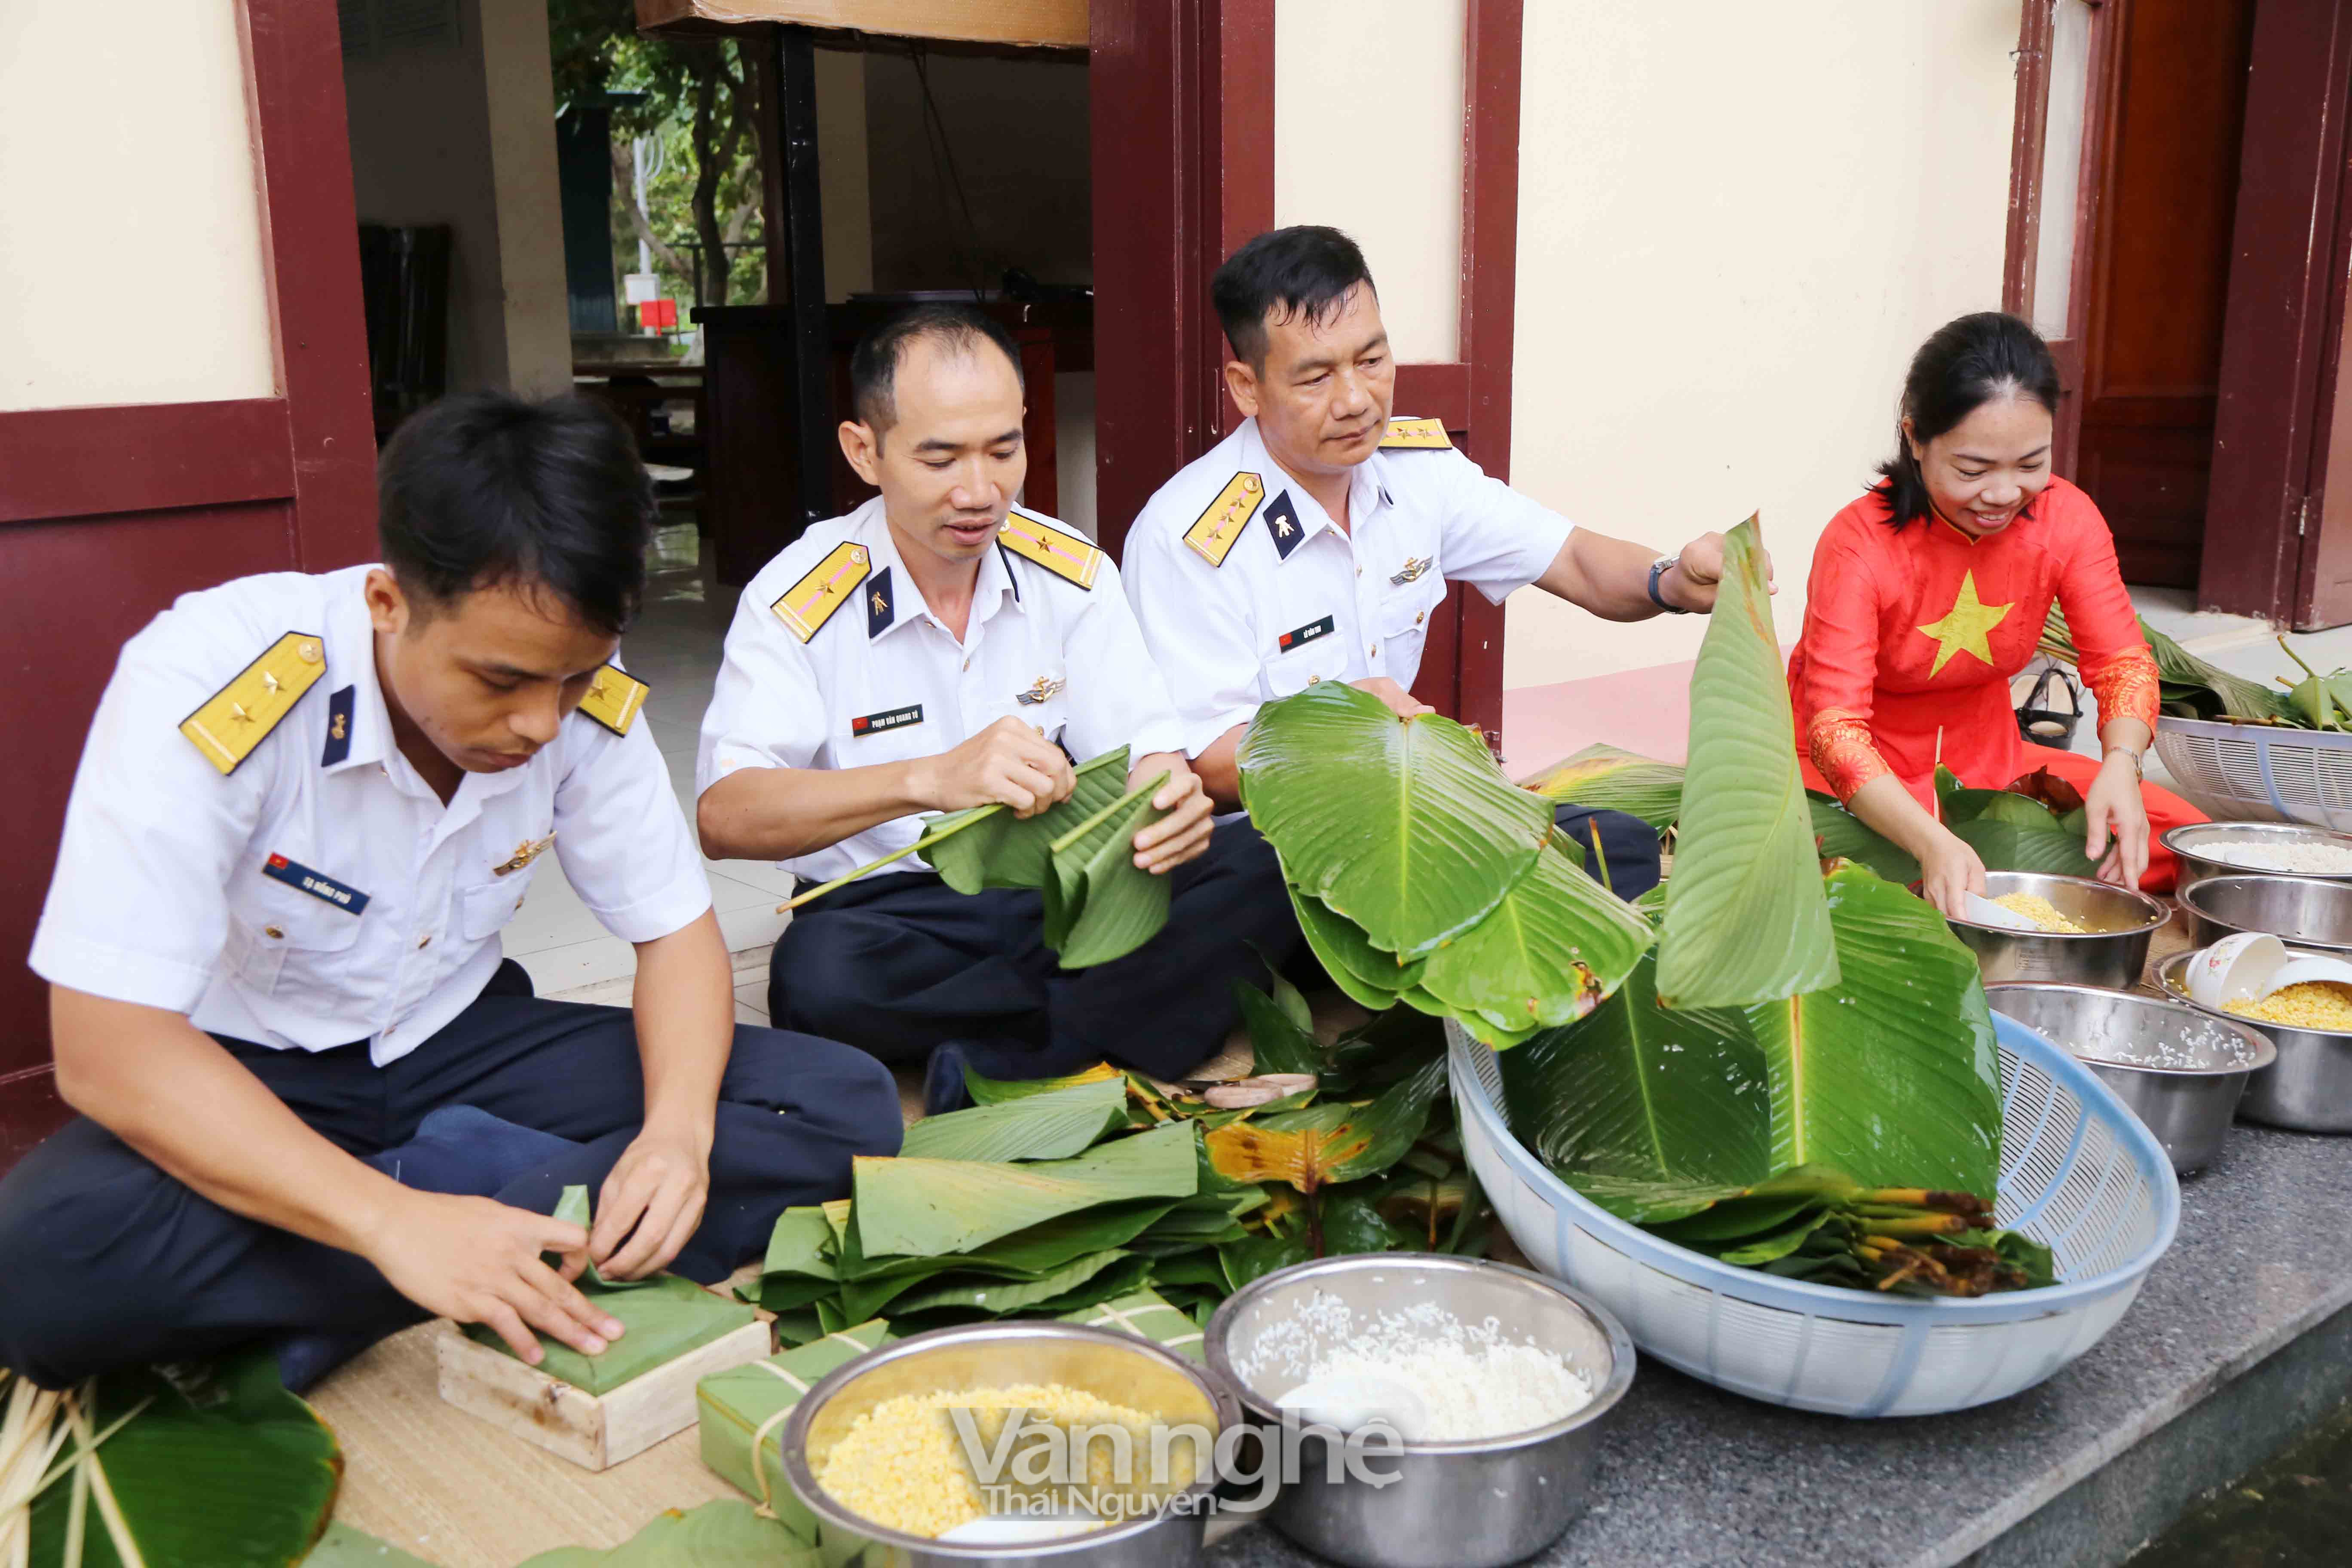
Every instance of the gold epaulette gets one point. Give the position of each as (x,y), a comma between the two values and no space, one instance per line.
(614,699)
(1213,533)
(808,603)
(1416,434)
(1066,555)
(240,715)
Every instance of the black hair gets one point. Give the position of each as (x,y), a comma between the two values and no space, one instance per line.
(484,489)
(874,367)
(1965,365)
(1304,270)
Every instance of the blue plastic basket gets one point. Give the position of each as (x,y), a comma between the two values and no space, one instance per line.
(2078,1173)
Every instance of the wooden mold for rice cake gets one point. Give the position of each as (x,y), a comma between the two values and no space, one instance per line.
(594,1431)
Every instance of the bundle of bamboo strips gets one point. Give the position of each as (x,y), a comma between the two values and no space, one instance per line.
(36,1427)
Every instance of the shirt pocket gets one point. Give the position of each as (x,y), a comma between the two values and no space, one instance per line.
(484,909)
(1403,622)
(294,940)
(1323,657)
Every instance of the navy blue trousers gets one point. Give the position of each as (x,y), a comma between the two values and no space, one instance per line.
(112,1262)
(1624,844)
(899,962)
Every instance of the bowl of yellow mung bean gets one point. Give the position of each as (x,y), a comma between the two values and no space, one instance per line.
(1011,1443)
(2309,1086)
(2088,933)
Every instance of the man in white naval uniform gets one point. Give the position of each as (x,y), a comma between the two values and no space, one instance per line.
(1316,541)
(940,648)
(316,1102)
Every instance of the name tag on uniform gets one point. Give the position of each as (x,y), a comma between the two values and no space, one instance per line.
(895,719)
(325,889)
(1306,634)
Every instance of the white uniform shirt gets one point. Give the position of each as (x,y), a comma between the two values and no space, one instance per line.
(1298,599)
(180,888)
(891,683)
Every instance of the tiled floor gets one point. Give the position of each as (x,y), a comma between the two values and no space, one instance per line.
(675,648)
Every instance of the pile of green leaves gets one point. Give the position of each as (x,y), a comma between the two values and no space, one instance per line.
(1051,1196)
(170,1466)
(1099,905)
(1805,1069)
(1422,876)
(2186,686)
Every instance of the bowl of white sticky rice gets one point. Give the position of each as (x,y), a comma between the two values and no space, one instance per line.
(1426,1411)
(2233,848)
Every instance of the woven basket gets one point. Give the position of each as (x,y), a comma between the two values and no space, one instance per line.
(2078,1173)
(2256,772)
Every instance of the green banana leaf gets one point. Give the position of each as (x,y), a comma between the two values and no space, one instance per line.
(1244,1261)
(1638,1092)
(997,1092)
(927,1207)
(1278,1044)
(2011,832)
(998,1296)
(1051,1126)
(1608,779)
(1745,917)
(1404,826)
(1556,946)
(1351,1221)
(662,1319)
(1891,1077)
(2185,678)
(344,1547)
(1331,1143)
(999,849)
(1369,977)
(871,1284)
(1839,835)
(1100,905)
(220,1463)
(724,1534)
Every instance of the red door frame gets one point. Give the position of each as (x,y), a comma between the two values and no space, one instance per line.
(108,513)
(1182,128)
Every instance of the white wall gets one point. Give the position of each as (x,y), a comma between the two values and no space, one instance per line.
(130,254)
(1367,138)
(1735,224)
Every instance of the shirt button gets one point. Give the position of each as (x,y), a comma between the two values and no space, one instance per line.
(1416,619)
(272,931)
(1371,650)
(423,943)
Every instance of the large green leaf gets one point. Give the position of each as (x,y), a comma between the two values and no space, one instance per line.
(1608,779)
(1278,1042)
(1745,917)
(1404,826)
(1839,835)
(1891,1076)
(1637,1092)
(927,1207)
(1002,1296)
(2213,692)
(1556,944)
(870,1284)
(1099,904)
(724,1534)
(2011,832)
(998,849)
(1053,1126)
(997,1092)
(221,1466)
(1369,977)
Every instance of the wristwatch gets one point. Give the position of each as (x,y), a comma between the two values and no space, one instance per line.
(1659,568)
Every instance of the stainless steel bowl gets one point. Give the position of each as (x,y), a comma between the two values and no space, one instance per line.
(1118,1367)
(1454,1505)
(2188,843)
(2132,1044)
(2306,910)
(2111,952)
(2308,1088)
